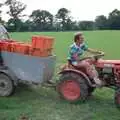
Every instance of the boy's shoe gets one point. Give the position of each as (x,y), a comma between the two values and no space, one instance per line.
(98,82)
(50,82)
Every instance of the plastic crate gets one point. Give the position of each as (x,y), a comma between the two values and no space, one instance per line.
(42,42)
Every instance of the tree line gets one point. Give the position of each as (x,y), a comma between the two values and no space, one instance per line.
(43,20)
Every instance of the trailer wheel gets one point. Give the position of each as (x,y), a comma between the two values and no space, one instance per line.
(6,85)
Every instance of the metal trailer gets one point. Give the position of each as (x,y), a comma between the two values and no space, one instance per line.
(18,67)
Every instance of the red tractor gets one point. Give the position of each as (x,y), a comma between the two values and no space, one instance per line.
(74,83)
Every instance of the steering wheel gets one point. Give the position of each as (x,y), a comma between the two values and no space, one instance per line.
(95,57)
(99,55)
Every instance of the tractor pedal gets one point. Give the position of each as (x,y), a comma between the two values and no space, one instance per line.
(50,82)
(49,85)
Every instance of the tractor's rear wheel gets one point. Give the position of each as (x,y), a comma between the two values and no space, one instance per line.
(72,87)
(117,98)
(6,85)
(90,90)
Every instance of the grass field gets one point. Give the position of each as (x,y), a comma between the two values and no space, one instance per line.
(39,103)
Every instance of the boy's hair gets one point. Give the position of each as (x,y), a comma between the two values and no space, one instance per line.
(76,36)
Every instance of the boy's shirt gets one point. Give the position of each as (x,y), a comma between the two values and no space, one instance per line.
(76,51)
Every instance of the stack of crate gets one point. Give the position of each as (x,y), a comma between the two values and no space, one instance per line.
(40,46)
(14,46)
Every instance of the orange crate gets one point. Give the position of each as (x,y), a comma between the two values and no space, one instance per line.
(42,42)
(35,52)
(46,53)
(6,46)
(20,48)
(29,49)
(49,42)
(38,52)
(1,45)
(13,47)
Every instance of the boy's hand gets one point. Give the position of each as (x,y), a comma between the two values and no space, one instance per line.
(100,52)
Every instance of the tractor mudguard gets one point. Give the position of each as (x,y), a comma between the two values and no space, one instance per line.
(9,73)
(79,73)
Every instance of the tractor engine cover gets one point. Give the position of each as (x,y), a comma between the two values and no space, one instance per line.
(107,73)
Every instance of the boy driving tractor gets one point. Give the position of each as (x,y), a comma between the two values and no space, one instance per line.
(76,50)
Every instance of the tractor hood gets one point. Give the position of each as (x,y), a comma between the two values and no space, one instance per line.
(107,63)
(116,62)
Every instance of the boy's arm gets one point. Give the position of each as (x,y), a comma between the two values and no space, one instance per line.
(93,51)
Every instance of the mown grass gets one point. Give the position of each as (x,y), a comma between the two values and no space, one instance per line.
(40,103)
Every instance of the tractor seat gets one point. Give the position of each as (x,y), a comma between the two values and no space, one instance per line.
(70,63)
(75,66)
(82,69)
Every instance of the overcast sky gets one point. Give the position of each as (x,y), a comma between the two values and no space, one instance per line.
(80,9)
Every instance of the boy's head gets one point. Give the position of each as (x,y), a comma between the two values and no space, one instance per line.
(78,38)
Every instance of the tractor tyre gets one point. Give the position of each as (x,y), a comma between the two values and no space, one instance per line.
(117,98)
(72,87)
(90,90)
(6,85)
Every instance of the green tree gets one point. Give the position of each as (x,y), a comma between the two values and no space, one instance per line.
(114,19)
(11,25)
(42,20)
(64,18)
(15,11)
(27,26)
(86,25)
(101,22)
(0,8)
(1,12)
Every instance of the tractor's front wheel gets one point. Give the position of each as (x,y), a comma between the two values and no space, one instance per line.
(72,87)
(117,98)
